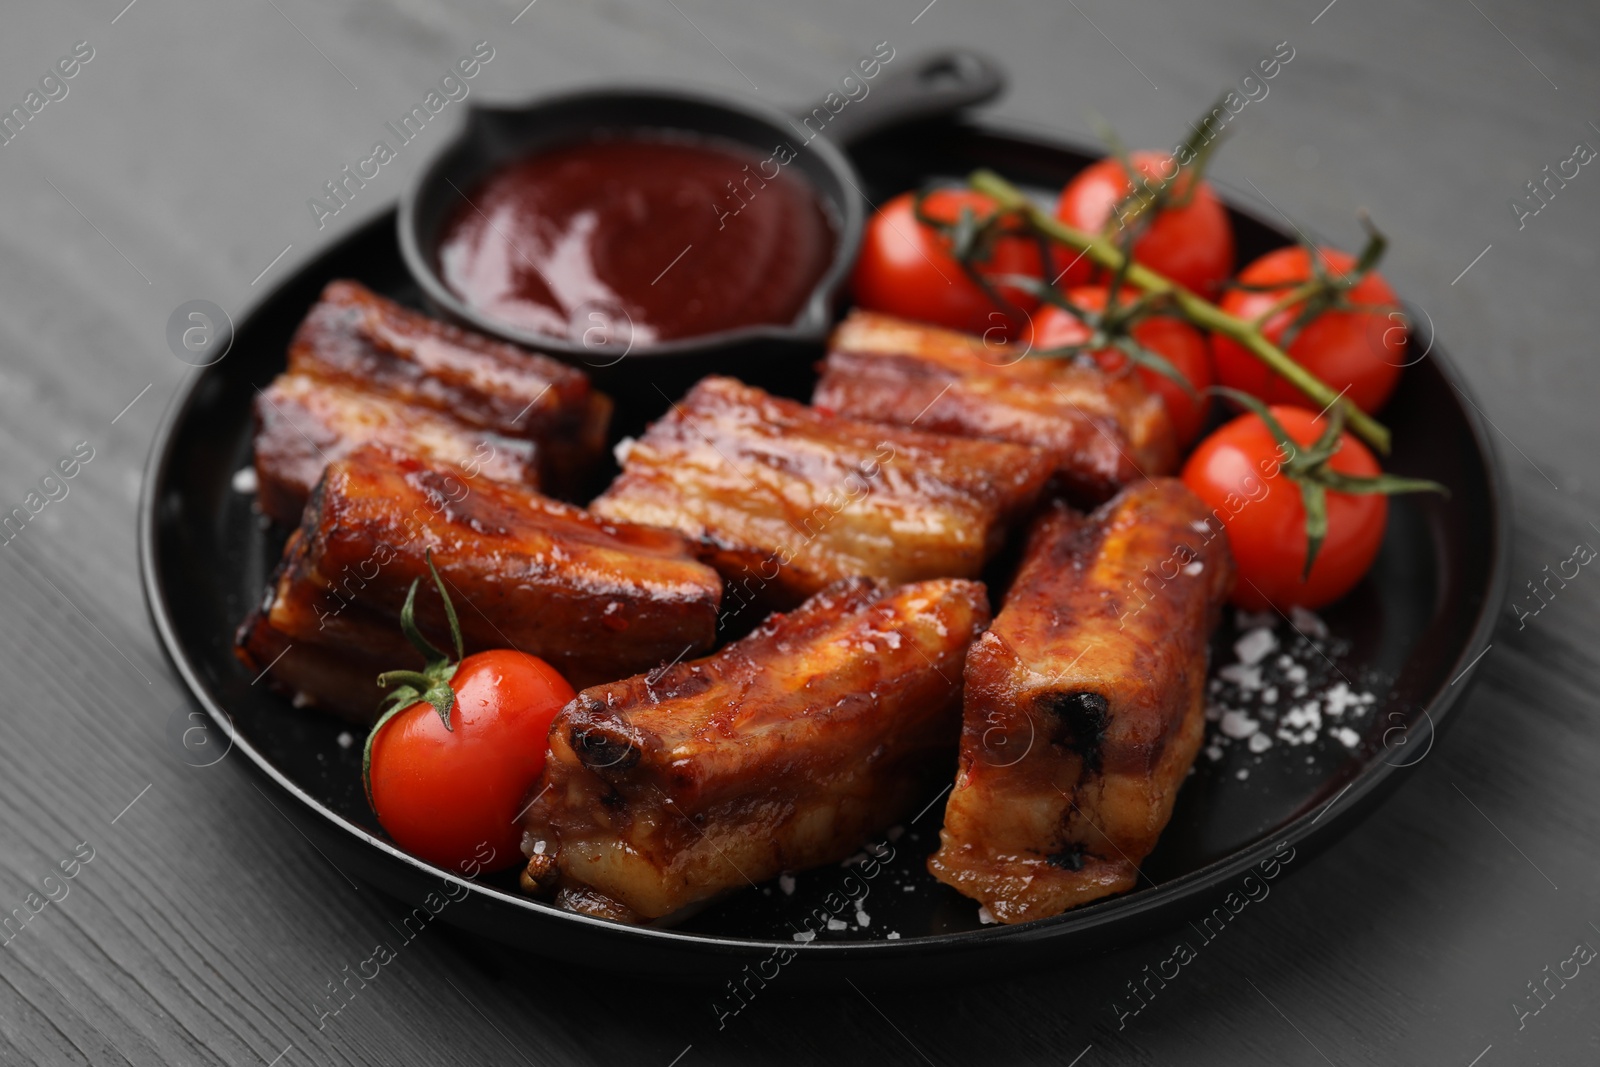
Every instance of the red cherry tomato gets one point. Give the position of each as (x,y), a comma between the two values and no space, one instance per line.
(1191,245)
(1179,343)
(442,794)
(905,267)
(1363,349)
(1236,471)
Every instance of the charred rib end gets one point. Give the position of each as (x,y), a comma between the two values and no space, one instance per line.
(603,747)
(1085,716)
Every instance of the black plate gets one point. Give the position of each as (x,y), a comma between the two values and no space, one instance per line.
(1416,623)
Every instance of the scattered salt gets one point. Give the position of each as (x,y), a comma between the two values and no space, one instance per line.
(1244,772)
(1237,724)
(244,480)
(786,883)
(863,920)
(1277,690)
(891,936)
(622,448)
(346,739)
(1253,647)
(1245,677)
(985,916)
(806,935)
(838,924)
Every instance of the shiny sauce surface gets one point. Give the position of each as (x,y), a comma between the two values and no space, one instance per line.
(639,237)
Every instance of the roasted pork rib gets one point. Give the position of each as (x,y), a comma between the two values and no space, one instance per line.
(597,599)
(1102,431)
(1084,704)
(785,500)
(427,382)
(784,750)
(303,423)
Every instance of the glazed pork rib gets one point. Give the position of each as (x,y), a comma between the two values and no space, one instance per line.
(597,599)
(303,423)
(784,500)
(1084,704)
(784,750)
(418,370)
(1102,431)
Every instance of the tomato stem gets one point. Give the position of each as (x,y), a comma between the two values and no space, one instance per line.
(1198,310)
(1308,467)
(431,684)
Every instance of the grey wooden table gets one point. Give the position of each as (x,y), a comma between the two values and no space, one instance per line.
(198,926)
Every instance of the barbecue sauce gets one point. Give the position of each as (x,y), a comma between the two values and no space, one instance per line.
(640,238)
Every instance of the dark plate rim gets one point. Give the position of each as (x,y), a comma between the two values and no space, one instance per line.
(1308,828)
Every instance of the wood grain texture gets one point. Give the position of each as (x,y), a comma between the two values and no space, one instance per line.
(206,926)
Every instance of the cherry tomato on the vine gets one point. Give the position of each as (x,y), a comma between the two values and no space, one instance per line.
(1191,243)
(1361,348)
(1173,339)
(906,268)
(1237,471)
(442,793)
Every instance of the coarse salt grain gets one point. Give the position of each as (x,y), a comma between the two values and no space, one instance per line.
(1245,677)
(1254,646)
(1237,724)
(1260,742)
(786,883)
(1347,737)
(985,916)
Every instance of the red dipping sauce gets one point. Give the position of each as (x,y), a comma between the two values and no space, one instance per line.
(650,236)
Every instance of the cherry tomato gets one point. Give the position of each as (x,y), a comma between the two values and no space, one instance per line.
(1179,343)
(1361,349)
(441,794)
(906,269)
(1191,245)
(1236,471)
